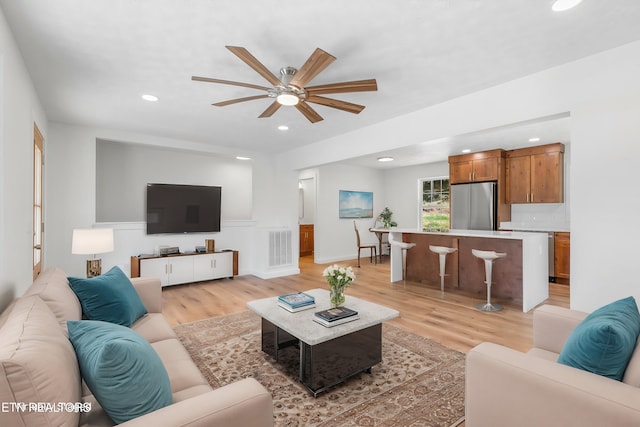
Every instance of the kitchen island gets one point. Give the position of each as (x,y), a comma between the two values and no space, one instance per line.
(522,277)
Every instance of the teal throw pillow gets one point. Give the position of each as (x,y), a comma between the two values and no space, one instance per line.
(110,297)
(122,370)
(605,340)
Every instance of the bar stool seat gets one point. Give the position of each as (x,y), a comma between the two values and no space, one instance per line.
(404,246)
(489,257)
(442,252)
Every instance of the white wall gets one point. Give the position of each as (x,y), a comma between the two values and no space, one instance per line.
(124,170)
(602,94)
(19,110)
(335,238)
(71,175)
(404,194)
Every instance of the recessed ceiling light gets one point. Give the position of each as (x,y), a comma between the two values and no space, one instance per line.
(561,5)
(536,139)
(148,97)
(385,159)
(466,150)
(283,127)
(243,158)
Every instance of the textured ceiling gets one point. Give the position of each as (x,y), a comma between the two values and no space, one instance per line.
(92,60)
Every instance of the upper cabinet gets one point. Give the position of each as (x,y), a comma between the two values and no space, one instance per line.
(483,166)
(475,167)
(536,174)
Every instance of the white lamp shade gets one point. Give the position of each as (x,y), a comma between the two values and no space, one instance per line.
(92,241)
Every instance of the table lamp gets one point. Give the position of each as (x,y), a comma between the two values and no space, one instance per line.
(92,241)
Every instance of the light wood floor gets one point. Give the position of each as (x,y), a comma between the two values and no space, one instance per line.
(451,321)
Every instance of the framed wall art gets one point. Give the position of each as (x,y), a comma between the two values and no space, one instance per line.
(355,204)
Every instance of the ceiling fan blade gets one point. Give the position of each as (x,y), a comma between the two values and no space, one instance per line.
(369,85)
(308,112)
(334,103)
(228,82)
(318,61)
(270,110)
(235,101)
(252,62)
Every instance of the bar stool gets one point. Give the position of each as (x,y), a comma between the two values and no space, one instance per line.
(442,251)
(404,246)
(488,257)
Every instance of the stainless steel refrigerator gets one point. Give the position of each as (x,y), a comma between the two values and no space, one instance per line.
(474,206)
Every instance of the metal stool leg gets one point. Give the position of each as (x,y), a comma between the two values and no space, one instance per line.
(488,266)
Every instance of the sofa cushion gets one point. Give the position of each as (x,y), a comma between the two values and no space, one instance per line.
(37,364)
(632,374)
(110,297)
(53,288)
(604,341)
(153,327)
(122,370)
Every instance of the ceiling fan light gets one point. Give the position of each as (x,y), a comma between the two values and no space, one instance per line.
(288,99)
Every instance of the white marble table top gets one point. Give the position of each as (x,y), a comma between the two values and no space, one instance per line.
(302,326)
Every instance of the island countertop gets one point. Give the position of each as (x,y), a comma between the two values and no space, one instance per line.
(518,235)
(522,276)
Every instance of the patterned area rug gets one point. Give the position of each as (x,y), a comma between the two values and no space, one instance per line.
(418,383)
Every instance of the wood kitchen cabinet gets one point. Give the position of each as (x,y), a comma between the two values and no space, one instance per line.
(481,167)
(306,239)
(562,252)
(475,167)
(536,174)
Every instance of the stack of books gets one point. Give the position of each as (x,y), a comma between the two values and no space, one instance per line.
(296,302)
(335,316)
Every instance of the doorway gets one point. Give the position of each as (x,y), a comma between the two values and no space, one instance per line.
(38,225)
(306,216)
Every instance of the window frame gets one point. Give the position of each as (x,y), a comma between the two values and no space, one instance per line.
(421,182)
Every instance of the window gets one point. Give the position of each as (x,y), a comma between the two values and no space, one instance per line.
(435,204)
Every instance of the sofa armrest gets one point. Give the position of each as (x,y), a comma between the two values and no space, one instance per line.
(243,403)
(552,325)
(150,291)
(505,387)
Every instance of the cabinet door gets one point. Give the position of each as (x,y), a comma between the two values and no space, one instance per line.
(155,267)
(180,269)
(518,179)
(203,267)
(562,254)
(546,178)
(222,265)
(460,172)
(306,239)
(485,169)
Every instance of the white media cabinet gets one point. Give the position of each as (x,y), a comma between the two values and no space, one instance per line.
(186,268)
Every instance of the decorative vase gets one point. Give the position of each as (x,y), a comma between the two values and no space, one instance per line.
(336,294)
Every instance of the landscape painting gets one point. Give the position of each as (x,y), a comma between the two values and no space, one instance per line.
(356,204)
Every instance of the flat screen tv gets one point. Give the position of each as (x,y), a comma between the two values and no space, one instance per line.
(174,208)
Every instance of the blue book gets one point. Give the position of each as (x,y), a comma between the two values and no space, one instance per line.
(298,299)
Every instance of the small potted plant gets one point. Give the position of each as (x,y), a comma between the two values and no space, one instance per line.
(385,217)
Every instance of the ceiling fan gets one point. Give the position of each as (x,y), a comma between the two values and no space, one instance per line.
(291,87)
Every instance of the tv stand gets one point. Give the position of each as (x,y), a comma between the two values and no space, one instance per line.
(177,269)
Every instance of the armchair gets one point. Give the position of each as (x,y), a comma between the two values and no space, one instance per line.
(505,387)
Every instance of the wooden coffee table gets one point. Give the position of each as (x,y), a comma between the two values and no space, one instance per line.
(328,356)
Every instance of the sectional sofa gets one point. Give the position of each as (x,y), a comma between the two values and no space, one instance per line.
(40,376)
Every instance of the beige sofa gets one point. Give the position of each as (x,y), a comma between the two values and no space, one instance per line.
(40,378)
(505,387)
